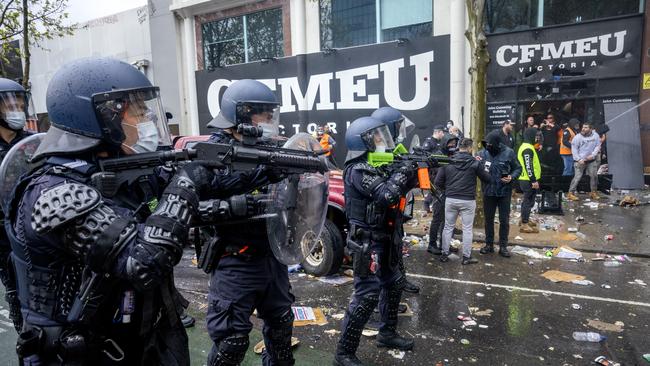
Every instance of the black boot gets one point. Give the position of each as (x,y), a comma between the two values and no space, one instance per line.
(410,287)
(351,335)
(444,257)
(469,260)
(433,249)
(187,320)
(391,339)
(488,248)
(503,251)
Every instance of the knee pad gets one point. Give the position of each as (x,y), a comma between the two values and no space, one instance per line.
(232,350)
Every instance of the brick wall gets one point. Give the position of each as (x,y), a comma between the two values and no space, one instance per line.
(241,10)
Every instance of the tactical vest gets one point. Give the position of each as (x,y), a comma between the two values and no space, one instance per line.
(537,168)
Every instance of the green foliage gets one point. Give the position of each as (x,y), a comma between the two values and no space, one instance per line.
(46,19)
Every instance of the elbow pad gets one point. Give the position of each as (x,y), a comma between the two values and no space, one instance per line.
(160,246)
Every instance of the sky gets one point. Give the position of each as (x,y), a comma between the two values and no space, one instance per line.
(84,10)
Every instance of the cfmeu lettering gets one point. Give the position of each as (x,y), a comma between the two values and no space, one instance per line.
(354,93)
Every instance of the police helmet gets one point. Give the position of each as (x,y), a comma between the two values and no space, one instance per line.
(398,124)
(103,104)
(243,102)
(13,105)
(367,134)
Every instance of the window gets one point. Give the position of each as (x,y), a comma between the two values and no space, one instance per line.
(575,11)
(245,38)
(346,23)
(510,15)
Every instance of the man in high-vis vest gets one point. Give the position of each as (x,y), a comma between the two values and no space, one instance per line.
(327,143)
(565,146)
(531,172)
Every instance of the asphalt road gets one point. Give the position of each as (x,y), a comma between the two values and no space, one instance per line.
(530,323)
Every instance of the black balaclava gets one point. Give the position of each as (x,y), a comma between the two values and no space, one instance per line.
(493,144)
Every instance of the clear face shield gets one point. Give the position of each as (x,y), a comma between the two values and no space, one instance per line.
(378,139)
(404,128)
(13,109)
(136,119)
(265,116)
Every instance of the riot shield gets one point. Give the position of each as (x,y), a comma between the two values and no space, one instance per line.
(15,164)
(415,143)
(298,205)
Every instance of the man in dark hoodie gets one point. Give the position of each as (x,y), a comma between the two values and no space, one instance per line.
(458,179)
(504,168)
(448,148)
(529,179)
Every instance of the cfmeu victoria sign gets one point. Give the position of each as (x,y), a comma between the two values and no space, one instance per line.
(590,50)
(339,86)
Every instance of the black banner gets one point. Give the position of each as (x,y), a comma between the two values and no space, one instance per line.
(339,86)
(593,50)
(497,114)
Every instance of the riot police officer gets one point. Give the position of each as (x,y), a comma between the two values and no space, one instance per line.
(370,192)
(248,277)
(94,282)
(399,127)
(13,115)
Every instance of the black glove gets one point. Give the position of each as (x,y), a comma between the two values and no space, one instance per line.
(274,174)
(242,205)
(202,174)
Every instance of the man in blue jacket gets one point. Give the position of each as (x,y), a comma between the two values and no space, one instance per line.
(504,168)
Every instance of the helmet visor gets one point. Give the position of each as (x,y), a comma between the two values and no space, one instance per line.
(404,128)
(268,119)
(378,139)
(13,109)
(134,119)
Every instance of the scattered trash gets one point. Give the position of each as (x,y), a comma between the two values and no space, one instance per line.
(480,294)
(628,201)
(580,219)
(370,332)
(559,276)
(336,280)
(572,229)
(547,337)
(646,357)
(623,258)
(588,337)
(470,323)
(332,332)
(518,238)
(528,252)
(583,282)
(609,237)
(464,341)
(396,353)
(349,273)
(592,205)
(638,282)
(576,306)
(477,312)
(581,235)
(259,347)
(338,316)
(612,263)
(602,360)
(489,265)
(535,319)
(294,268)
(565,252)
(605,327)
(306,315)
(456,243)
(604,285)
(551,349)
(483,326)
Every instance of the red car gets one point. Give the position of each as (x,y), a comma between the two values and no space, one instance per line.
(328,255)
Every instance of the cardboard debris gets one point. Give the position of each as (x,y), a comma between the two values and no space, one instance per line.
(336,280)
(306,315)
(605,327)
(259,347)
(559,276)
(565,252)
(629,201)
(407,312)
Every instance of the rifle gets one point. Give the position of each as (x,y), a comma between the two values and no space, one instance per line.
(113,173)
(423,161)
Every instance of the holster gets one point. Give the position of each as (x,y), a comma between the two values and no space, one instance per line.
(210,255)
(358,243)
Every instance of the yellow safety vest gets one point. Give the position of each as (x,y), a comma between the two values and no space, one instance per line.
(537,167)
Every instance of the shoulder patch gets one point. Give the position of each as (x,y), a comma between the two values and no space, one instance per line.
(61,204)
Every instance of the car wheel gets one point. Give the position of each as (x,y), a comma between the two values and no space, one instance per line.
(327,255)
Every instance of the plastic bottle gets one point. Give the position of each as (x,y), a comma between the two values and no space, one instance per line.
(612,263)
(588,337)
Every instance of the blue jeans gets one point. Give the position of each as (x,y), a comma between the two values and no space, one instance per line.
(568,165)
